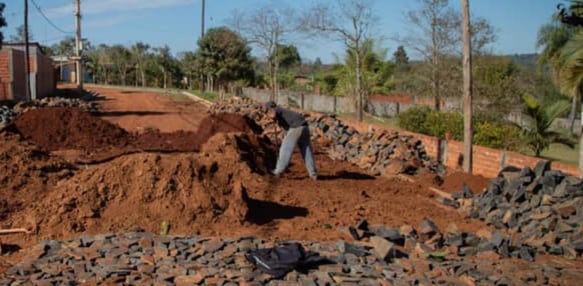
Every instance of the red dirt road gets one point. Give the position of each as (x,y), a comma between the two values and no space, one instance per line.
(137,111)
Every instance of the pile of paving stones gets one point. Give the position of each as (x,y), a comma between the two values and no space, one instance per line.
(6,116)
(56,102)
(542,208)
(147,259)
(376,151)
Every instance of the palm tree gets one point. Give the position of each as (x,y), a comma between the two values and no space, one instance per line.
(572,76)
(537,133)
(552,37)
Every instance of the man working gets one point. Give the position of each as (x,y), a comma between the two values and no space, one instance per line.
(296,131)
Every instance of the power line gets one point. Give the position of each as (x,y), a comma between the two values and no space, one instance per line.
(48,20)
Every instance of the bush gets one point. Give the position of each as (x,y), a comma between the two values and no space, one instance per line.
(414,119)
(440,123)
(489,131)
(497,135)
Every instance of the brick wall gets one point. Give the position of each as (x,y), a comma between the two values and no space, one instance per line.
(5,75)
(18,75)
(45,77)
(487,162)
(12,75)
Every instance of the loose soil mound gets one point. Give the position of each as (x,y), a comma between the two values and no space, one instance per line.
(141,191)
(26,173)
(61,128)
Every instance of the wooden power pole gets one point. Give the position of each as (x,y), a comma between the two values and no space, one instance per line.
(201,76)
(26,53)
(467,67)
(78,47)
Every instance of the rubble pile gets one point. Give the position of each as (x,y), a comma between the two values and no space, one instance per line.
(56,102)
(378,152)
(542,208)
(7,115)
(146,258)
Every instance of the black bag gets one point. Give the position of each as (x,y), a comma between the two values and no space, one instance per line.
(280,260)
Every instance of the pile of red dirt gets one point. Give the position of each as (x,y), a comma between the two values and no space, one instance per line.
(141,191)
(26,173)
(60,128)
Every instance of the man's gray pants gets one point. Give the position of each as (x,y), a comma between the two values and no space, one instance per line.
(301,136)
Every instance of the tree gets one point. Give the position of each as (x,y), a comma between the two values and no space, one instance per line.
(496,87)
(266,28)
(537,132)
(66,47)
(572,77)
(20,37)
(2,22)
(435,35)
(224,57)
(122,63)
(288,56)
(552,37)
(350,22)
(400,58)
(190,67)
(140,54)
(163,60)
(317,62)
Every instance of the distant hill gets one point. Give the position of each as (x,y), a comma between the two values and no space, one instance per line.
(525,60)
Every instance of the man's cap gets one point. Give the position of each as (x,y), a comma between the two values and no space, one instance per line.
(270,104)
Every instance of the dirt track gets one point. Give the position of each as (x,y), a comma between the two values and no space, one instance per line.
(224,190)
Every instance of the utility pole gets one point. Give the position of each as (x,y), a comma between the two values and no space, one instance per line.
(78,55)
(26,53)
(467,67)
(201,77)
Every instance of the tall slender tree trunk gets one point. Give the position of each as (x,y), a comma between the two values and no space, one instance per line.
(580,91)
(467,66)
(276,69)
(434,63)
(359,83)
(573,114)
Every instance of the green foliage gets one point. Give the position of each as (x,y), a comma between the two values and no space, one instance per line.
(288,56)
(400,58)
(414,119)
(427,121)
(328,83)
(497,135)
(440,123)
(224,56)
(536,132)
(489,131)
(375,71)
(496,85)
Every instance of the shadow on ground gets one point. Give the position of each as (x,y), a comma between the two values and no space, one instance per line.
(263,212)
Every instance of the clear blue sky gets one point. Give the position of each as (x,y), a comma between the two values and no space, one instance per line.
(176,23)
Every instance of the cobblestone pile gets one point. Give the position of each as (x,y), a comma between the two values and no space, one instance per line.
(377,151)
(542,207)
(147,259)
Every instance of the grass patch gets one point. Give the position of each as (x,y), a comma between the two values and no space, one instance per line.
(388,122)
(179,97)
(563,154)
(208,95)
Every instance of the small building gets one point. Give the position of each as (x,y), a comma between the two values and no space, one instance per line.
(13,72)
